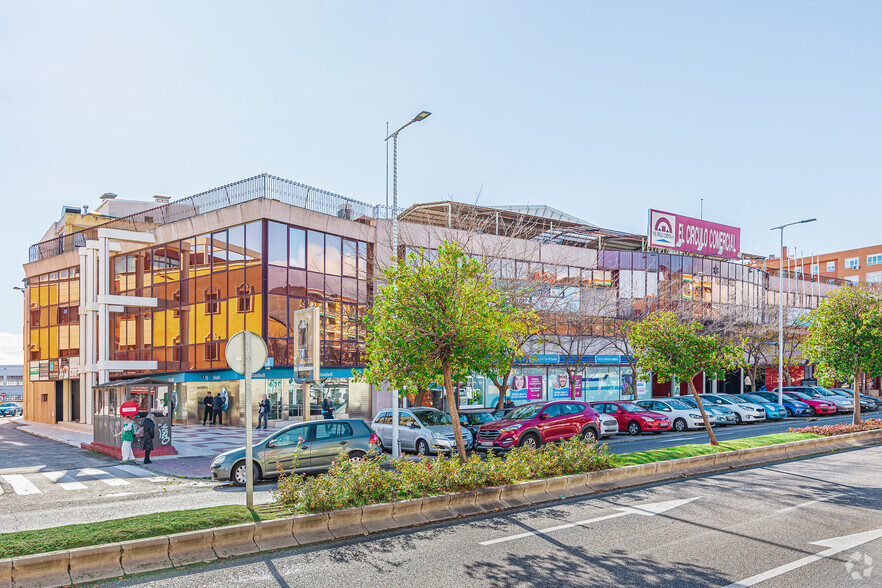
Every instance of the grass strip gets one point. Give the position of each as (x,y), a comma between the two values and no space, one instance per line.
(165,523)
(666,453)
(148,525)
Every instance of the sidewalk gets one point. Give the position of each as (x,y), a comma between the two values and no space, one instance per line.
(68,433)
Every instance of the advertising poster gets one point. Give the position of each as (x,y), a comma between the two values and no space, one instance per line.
(518,388)
(577,393)
(560,386)
(44,370)
(34,371)
(534,387)
(64,371)
(306,341)
(74,367)
(627,386)
(683,233)
(53,369)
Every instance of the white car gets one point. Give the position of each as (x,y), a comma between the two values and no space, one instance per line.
(682,415)
(745,412)
(609,426)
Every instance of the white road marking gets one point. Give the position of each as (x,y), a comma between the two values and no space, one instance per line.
(117,494)
(135,471)
(59,478)
(810,502)
(836,545)
(104,477)
(648,510)
(21,485)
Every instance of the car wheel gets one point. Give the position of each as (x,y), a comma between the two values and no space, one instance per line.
(237,474)
(680,425)
(738,420)
(530,441)
(812,411)
(589,434)
(633,428)
(789,412)
(356,455)
(422,448)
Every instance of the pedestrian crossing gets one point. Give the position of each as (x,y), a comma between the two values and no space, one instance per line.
(75,480)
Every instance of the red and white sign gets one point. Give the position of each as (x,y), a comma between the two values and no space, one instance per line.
(128,408)
(2,394)
(692,235)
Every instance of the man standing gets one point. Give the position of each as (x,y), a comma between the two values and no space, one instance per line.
(147,440)
(207,409)
(218,411)
(263,411)
(327,408)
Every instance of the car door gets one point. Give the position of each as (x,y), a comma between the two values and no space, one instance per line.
(328,442)
(552,422)
(282,449)
(408,430)
(382,426)
(574,419)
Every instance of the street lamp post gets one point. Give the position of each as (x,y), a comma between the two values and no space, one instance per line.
(396,449)
(781,307)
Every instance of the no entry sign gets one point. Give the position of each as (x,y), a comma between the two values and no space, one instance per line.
(128,408)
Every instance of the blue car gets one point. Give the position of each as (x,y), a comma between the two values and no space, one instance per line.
(774,411)
(793,407)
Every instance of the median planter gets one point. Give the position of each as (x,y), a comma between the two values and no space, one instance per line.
(346,523)
(6,573)
(44,569)
(377,517)
(100,562)
(556,488)
(513,495)
(534,491)
(235,540)
(435,508)
(269,535)
(487,499)
(409,512)
(191,547)
(463,503)
(312,528)
(145,555)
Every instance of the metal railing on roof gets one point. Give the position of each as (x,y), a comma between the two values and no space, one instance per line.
(262,186)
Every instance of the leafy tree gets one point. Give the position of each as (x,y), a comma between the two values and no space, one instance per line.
(439,320)
(845,337)
(667,347)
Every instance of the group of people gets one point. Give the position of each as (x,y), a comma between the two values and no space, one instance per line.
(146,431)
(213,409)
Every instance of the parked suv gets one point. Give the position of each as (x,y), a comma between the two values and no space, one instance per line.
(10,409)
(473,418)
(540,422)
(422,430)
(683,415)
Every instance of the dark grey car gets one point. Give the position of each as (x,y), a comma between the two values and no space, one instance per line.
(321,443)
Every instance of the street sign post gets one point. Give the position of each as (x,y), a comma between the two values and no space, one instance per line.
(246,353)
(128,408)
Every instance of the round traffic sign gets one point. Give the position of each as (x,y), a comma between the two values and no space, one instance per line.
(128,408)
(2,394)
(235,352)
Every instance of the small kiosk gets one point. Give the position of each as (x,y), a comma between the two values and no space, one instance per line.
(152,395)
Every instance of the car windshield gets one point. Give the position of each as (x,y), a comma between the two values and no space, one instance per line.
(690,402)
(811,393)
(432,418)
(718,400)
(526,412)
(480,417)
(825,392)
(678,405)
(628,407)
(794,396)
(733,399)
(756,398)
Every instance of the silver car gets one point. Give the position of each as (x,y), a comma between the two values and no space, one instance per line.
(609,426)
(421,430)
(320,444)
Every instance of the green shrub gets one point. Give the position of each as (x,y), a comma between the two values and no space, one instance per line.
(356,483)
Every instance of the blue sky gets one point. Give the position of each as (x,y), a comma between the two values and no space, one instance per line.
(768,111)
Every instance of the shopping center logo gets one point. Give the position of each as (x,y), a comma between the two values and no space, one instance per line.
(859,566)
(662,229)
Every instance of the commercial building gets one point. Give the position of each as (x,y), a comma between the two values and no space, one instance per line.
(158,292)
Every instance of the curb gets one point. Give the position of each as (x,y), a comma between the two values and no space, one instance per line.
(61,568)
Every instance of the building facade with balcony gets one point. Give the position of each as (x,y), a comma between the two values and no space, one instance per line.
(159,292)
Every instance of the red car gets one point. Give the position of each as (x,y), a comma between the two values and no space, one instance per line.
(634,419)
(540,422)
(815,406)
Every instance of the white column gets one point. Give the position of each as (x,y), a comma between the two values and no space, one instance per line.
(103,310)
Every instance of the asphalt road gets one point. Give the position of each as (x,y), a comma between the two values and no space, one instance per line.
(711,530)
(44,483)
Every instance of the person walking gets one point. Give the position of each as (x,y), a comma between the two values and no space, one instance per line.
(207,409)
(218,410)
(327,408)
(128,435)
(149,432)
(263,411)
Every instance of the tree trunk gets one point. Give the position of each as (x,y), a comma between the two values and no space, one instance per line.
(787,379)
(502,385)
(707,425)
(753,370)
(420,397)
(453,407)
(857,397)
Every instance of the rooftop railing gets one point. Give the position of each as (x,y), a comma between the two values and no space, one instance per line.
(262,186)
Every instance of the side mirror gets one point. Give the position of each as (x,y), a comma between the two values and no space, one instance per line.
(271,443)
(414,425)
(543,416)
